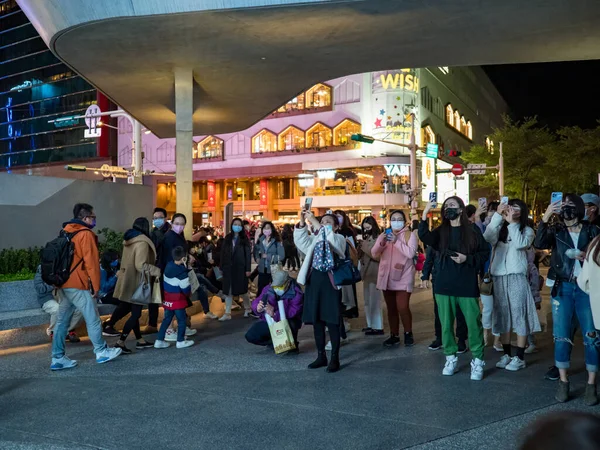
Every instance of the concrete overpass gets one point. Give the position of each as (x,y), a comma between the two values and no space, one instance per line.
(186,67)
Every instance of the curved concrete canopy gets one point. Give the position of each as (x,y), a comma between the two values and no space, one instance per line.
(248,60)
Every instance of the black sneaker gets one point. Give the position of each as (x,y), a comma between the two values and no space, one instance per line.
(393,340)
(367,329)
(409,340)
(143,345)
(435,345)
(124,349)
(375,333)
(552,374)
(110,331)
(462,347)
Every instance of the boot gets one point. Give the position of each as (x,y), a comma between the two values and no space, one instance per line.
(321,361)
(562,394)
(591,397)
(334,364)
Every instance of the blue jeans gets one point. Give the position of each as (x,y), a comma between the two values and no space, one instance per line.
(82,301)
(570,301)
(181,318)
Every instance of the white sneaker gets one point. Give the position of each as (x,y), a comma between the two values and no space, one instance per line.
(498,348)
(108,354)
(247,313)
(477,369)
(347,326)
(342,342)
(210,315)
(531,349)
(328,346)
(161,344)
(225,317)
(171,335)
(184,344)
(62,363)
(190,331)
(504,361)
(451,366)
(516,364)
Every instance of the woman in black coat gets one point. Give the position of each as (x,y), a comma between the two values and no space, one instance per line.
(235,265)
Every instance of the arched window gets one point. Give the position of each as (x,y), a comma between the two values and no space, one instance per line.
(449,115)
(291,138)
(318,96)
(457,120)
(469,130)
(463,125)
(209,147)
(428,136)
(343,131)
(264,141)
(318,135)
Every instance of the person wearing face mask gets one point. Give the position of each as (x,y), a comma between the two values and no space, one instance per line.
(569,242)
(592,208)
(461,253)
(268,250)
(235,265)
(369,270)
(322,299)
(396,276)
(281,288)
(513,304)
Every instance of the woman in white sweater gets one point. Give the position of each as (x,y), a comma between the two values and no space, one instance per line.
(514,306)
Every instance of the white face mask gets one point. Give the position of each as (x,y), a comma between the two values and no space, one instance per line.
(397,225)
(279,292)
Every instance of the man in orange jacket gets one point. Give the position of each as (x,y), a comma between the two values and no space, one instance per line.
(80,291)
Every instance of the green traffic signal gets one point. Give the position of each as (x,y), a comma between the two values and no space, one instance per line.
(362,138)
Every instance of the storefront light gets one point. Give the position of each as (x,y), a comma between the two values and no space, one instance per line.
(306,182)
(364,175)
(326,174)
(305,175)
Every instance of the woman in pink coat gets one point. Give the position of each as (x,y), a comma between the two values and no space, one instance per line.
(396,249)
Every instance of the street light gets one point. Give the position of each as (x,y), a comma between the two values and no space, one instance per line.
(241,191)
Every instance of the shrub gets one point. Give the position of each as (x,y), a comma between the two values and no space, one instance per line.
(110,239)
(14,261)
(21,276)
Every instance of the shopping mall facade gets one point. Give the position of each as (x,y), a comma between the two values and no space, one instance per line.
(303,149)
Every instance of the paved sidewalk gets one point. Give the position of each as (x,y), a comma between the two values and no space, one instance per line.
(226,394)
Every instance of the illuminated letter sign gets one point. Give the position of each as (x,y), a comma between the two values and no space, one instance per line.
(396,170)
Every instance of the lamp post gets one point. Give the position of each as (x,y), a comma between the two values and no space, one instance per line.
(501,172)
(241,191)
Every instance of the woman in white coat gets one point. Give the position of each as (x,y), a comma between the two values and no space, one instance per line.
(514,306)
(322,299)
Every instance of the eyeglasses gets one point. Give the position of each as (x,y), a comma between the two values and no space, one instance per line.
(90,217)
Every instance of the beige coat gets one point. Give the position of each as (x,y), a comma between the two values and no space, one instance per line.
(139,254)
(369,266)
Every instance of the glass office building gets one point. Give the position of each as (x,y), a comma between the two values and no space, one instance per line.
(36,87)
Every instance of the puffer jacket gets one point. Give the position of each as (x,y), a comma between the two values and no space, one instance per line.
(509,257)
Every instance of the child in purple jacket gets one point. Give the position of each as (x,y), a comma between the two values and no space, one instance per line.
(281,288)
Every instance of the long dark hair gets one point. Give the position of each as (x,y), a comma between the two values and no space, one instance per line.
(375,230)
(346,229)
(468,238)
(523,219)
(274,233)
(242,235)
(142,225)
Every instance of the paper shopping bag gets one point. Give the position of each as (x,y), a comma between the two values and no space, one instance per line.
(156,296)
(281,336)
(194,283)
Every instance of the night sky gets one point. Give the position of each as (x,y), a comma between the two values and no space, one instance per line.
(560,94)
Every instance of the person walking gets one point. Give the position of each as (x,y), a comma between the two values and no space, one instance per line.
(462,251)
(396,249)
(139,255)
(268,250)
(368,271)
(514,305)
(322,299)
(45,295)
(75,295)
(235,266)
(569,242)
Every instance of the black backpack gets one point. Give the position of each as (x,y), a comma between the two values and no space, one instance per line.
(57,258)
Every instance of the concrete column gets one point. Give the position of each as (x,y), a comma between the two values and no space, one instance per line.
(184,140)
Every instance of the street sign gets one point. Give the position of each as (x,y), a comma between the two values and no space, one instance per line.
(431,151)
(91,120)
(476,167)
(476,172)
(457,169)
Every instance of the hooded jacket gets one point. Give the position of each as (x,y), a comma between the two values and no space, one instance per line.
(176,283)
(86,260)
(139,254)
(396,263)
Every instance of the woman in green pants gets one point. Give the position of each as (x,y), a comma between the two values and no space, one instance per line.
(461,254)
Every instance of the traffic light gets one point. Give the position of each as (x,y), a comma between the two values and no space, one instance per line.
(362,138)
(454,153)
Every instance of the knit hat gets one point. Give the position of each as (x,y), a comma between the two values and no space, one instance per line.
(280,278)
(591,198)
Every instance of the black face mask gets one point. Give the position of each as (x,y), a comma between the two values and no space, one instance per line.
(452,213)
(569,213)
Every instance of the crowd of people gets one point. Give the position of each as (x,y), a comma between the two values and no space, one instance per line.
(481,263)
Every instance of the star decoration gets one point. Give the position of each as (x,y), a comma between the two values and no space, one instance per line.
(378,123)
(381,112)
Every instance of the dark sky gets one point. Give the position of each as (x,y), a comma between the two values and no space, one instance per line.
(560,94)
